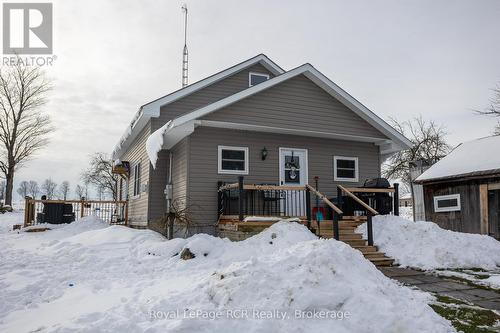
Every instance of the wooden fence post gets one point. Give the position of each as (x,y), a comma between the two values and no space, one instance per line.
(26,210)
(240,198)
(82,207)
(396,199)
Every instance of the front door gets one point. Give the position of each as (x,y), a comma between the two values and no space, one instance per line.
(293,172)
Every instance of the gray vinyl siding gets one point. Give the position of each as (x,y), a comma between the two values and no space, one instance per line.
(180,166)
(158,181)
(138,205)
(219,90)
(297,103)
(203,173)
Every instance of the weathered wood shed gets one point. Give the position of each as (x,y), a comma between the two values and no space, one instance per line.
(462,191)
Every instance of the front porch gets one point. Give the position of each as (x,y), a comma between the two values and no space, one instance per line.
(247,209)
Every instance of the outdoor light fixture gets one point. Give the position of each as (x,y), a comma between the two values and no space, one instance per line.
(264,153)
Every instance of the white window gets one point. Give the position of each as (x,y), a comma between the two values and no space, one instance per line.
(256,78)
(233,160)
(345,169)
(447,203)
(137,179)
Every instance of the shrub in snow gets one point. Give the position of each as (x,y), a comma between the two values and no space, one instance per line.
(427,246)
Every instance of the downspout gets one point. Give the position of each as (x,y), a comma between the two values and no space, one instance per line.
(168,188)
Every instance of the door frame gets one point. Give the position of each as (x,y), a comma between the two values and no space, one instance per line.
(281,171)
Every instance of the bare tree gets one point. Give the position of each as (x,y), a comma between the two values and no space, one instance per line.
(2,191)
(80,191)
(99,174)
(49,188)
(64,189)
(494,109)
(23,189)
(34,189)
(429,145)
(23,127)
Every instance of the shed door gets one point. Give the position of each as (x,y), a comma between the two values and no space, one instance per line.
(493,213)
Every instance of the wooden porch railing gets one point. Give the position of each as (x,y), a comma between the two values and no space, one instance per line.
(40,211)
(272,200)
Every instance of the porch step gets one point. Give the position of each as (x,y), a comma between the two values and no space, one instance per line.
(355,240)
(382,261)
(366,248)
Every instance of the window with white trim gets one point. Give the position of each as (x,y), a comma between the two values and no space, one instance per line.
(233,160)
(137,179)
(447,203)
(345,169)
(256,78)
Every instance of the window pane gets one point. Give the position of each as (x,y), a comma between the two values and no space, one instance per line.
(345,173)
(447,203)
(256,79)
(292,176)
(346,164)
(233,154)
(292,162)
(233,165)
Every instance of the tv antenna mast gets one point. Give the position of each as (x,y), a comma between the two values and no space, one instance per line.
(185,51)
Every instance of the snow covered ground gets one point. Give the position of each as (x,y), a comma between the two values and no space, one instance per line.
(427,246)
(88,276)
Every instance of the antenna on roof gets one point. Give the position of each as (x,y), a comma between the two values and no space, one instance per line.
(185,51)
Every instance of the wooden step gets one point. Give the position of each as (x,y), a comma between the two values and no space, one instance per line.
(350,237)
(366,248)
(341,232)
(374,255)
(356,242)
(382,261)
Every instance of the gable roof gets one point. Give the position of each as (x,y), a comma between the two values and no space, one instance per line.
(183,125)
(478,157)
(152,109)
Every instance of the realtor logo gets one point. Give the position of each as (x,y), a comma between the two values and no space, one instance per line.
(27,28)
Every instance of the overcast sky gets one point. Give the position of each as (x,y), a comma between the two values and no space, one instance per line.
(439,59)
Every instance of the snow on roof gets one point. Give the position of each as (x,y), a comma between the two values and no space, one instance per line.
(472,157)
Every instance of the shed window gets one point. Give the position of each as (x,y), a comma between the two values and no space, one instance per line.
(233,160)
(256,78)
(345,168)
(137,179)
(447,203)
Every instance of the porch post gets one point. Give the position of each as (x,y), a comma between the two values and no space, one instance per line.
(369,228)
(335,222)
(308,208)
(339,198)
(396,199)
(240,198)
(220,196)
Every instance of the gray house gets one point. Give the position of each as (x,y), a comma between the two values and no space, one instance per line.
(251,119)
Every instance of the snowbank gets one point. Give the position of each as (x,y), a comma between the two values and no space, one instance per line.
(154,143)
(98,278)
(427,246)
(7,220)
